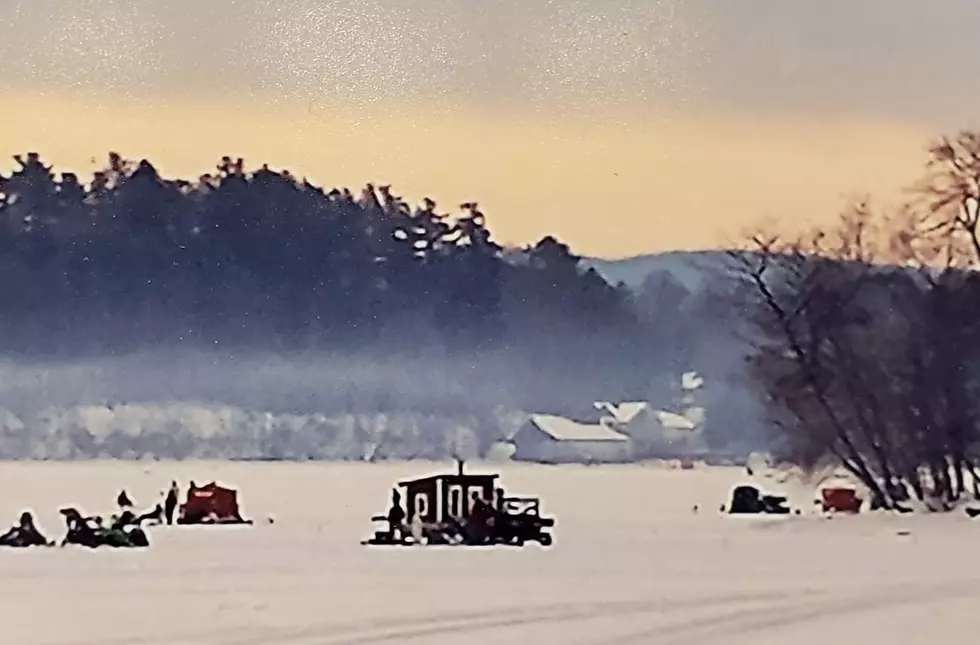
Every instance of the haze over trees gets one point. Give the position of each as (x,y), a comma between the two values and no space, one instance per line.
(866,336)
(318,323)
(380,307)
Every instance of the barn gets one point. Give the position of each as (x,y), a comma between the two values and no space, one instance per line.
(552,439)
(653,432)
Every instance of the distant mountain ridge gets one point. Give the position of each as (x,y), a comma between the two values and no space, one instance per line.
(703,326)
(690,268)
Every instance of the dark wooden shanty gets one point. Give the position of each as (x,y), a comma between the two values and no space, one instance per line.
(438,498)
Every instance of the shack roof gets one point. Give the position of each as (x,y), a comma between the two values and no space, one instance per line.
(464,476)
(562,429)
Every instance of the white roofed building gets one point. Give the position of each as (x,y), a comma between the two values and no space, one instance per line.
(655,433)
(545,438)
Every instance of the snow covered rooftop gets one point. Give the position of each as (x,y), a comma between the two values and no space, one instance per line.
(629,410)
(623,412)
(562,429)
(674,421)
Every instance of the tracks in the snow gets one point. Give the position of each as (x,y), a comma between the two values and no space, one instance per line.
(798,611)
(443,623)
(699,621)
(696,621)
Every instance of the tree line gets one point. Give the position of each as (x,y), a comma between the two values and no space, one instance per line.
(259,260)
(239,256)
(864,336)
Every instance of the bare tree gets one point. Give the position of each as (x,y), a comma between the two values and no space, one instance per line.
(949,225)
(946,240)
(861,360)
(799,302)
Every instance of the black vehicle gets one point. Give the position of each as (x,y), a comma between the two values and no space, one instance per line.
(750,500)
(519,520)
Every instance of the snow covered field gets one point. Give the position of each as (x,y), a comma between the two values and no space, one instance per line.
(632,564)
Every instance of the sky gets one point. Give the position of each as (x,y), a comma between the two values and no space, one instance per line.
(619,126)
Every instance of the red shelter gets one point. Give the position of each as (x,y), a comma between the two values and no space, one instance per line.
(210,504)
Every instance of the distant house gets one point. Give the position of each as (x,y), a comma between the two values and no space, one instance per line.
(551,439)
(652,431)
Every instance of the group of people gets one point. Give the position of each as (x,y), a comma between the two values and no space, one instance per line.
(124,529)
(473,528)
(161,512)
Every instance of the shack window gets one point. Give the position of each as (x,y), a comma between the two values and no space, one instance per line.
(456,501)
(421,504)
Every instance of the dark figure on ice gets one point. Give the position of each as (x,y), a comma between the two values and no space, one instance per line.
(479,507)
(90,532)
(480,519)
(170,504)
(396,516)
(154,515)
(78,528)
(498,504)
(123,500)
(24,534)
(126,518)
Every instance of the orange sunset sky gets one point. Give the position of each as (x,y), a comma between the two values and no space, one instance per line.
(620,126)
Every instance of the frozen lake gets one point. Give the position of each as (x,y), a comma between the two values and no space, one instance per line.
(632,563)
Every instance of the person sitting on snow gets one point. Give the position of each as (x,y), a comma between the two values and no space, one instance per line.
(24,533)
(155,516)
(123,500)
(124,519)
(79,528)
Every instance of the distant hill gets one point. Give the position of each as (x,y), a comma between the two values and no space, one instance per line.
(705,327)
(691,268)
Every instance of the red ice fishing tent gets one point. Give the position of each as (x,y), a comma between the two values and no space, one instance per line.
(839,495)
(210,504)
(840,499)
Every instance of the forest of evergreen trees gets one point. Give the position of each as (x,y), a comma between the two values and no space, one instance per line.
(403,307)
(243,258)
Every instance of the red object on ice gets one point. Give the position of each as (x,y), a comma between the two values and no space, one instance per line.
(840,500)
(210,503)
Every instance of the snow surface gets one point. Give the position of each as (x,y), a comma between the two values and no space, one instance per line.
(632,564)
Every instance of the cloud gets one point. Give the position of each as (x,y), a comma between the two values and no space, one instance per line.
(357,51)
(893,59)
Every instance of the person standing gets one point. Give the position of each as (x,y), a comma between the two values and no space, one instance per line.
(170,504)
(396,517)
